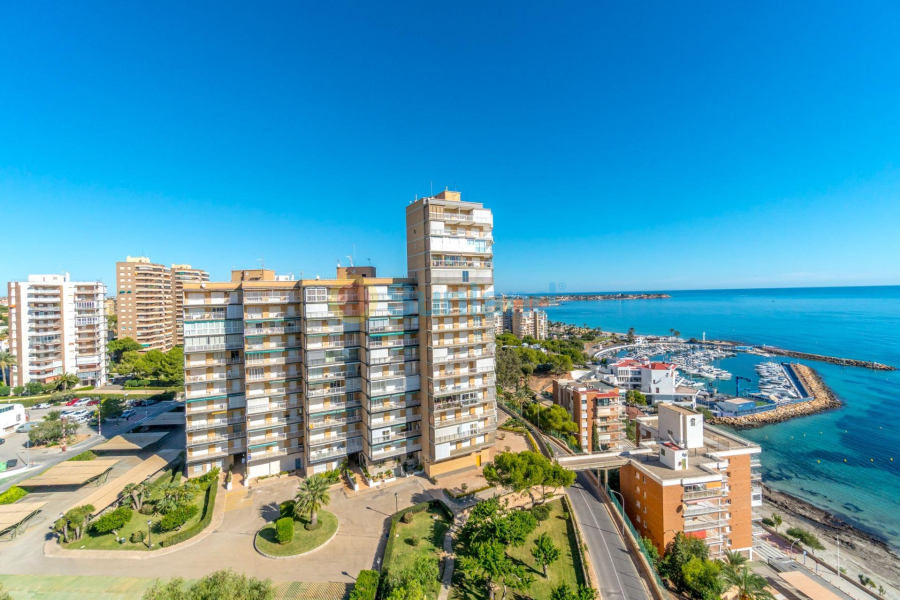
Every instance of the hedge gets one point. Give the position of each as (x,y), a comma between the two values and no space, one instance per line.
(366,586)
(183,536)
(177,517)
(284,530)
(13,494)
(467,492)
(582,562)
(86,455)
(286,509)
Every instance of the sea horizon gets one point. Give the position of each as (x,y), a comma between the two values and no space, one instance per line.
(737,289)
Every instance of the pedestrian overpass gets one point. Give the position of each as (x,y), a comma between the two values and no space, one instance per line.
(602,461)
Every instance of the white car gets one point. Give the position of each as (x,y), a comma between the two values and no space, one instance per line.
(42,405)
(82,402)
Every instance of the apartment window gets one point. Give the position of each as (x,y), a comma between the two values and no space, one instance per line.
(318,294)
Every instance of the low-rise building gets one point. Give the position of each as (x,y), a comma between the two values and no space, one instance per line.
(596,408)
(693,478)
(656,380)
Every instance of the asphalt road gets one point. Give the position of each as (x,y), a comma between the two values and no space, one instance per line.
(44,458)
(617,573)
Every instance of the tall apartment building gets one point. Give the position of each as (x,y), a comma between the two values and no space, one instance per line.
(449,255)
(283,375)
(57,326)
(181,274)
(147,298)
(528,322)
(596,408)
(695,479)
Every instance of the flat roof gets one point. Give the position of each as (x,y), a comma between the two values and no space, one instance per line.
(131,441)
(652,464)
(807,586)
(70,472)
(13,514)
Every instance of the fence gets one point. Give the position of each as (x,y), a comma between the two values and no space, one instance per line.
(635,535)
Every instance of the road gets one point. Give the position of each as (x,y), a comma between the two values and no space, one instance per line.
(618,576)
(14,445)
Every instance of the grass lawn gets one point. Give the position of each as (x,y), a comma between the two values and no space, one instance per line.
(303,541)
(107,541)
(429,528)
(562,571)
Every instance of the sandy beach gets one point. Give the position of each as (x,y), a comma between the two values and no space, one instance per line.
(860,553)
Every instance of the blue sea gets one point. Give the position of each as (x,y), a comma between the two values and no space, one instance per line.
(846,461)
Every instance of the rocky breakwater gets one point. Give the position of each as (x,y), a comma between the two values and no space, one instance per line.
(848,362)
(822,399)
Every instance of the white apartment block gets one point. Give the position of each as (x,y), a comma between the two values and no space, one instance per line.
(528,322)
(57,326)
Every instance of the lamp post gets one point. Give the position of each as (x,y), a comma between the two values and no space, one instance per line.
(791,551)
(396,503)
(149,534)
(65,530)
(612,491)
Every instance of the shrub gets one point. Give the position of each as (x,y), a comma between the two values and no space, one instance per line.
(177,517)
(207,478)
(768,521)
(137,537)
(86,455)
(541,512)
(148,508)
(407,517)
(4,390)
(806,538)
(204,522)
(413,540)
(366,586)
(136,383)
(116,519)
(13,494)
(311,527)
(284,530)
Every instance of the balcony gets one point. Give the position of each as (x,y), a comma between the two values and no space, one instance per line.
(440,390)
(205,377)
(265,408)
(437,374)
(695,510)
(334,437)
(437,215)
(323,423)
(393,359)
(265,439)
(332,375)
(205,316)
(381,420)
(257,298)
(319,344)
(197,426)
(702,494)
(201,301)
(462,435)
(334,406)
(386,452)
(196,410)
(221,437)
(196,457)
(212,347)
(468,418)
(266,455)
(704,524)
(391,342)
(327,454)
(477,264)
(454,278)
(375,406)
(466,400)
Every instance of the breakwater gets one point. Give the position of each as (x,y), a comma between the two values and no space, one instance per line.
(849,362)
(822,398)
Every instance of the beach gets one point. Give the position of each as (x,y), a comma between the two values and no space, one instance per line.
(860,552)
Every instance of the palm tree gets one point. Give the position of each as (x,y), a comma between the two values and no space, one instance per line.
(748,585)
(311,496)
(65,381)
(776,521)
(7,360)
(136,491)
(734,560)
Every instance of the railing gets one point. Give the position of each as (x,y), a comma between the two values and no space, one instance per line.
(393,358)
(322,423)
(266,439)
(263,454)
(194,457)
(214,424)
(396,435)
(444,216)
(264,330)
(373,406)
(204,301)
(437,277)
(192,410)
(334,406)
(460,435)
(216,316)
(703,524)
(214,438)
(325,454)
(485,264)
(463,356)
(333,375)
(702,494)
(637,538)
(264,408)
(206,377)
(250,298)
(694,510)
(391,342)
(214,347)
(468,418)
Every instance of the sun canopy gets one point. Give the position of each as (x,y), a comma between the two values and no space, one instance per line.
(12,515)
(166,419)
(130,441)
(72,473)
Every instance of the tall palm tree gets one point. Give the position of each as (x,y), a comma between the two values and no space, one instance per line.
(311,496)
(748,585)
(7,360)
(734,560)
(66,381)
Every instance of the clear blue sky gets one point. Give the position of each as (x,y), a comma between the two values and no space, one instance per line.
(622,146)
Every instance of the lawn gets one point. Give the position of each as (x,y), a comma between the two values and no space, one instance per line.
(303,541)
(107,541)
(562,571)
(429,528)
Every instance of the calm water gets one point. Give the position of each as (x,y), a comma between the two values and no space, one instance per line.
(846,461)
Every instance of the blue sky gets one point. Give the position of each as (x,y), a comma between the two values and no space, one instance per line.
(622,146)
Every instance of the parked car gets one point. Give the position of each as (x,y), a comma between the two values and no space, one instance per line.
(25,428)
(42,405)
(2,441)
(82,402)
(128,413)
(94,402)
(72,402)
(150,402)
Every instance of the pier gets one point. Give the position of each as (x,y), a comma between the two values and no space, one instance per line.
(849,362)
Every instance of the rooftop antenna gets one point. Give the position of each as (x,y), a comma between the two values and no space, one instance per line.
(370,261)
(351,259)
(432,187)
(262,262)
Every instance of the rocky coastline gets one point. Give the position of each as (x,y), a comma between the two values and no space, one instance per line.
(822,399)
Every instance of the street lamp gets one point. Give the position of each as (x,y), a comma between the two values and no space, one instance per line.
(149,534)
(791,551)
(396,503)
(612,491)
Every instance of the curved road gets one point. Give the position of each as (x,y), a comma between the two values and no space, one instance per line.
(617,574)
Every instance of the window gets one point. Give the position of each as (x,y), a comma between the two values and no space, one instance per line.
(318,294)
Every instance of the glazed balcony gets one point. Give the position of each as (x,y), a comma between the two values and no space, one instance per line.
(210,439)
(459,217)
(489,415)
(333,422)
(200,425)
(391,342)
(380,406)
(334,406)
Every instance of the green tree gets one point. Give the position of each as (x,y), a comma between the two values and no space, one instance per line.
(490,521)
(734,560)
(678,553)
(7,360)
(545,552)
(311,496)
(117,348)
(418,578)
(508,339)
(595,438)
(135,493)
(221,585)
(18,390)
(564,592)
(636,397)
(703,578)
(66,381)
(33,388)
(112,408)
(488,563)
(518,472)
(631,335)
(508,368)
(806,538)
(746,584)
